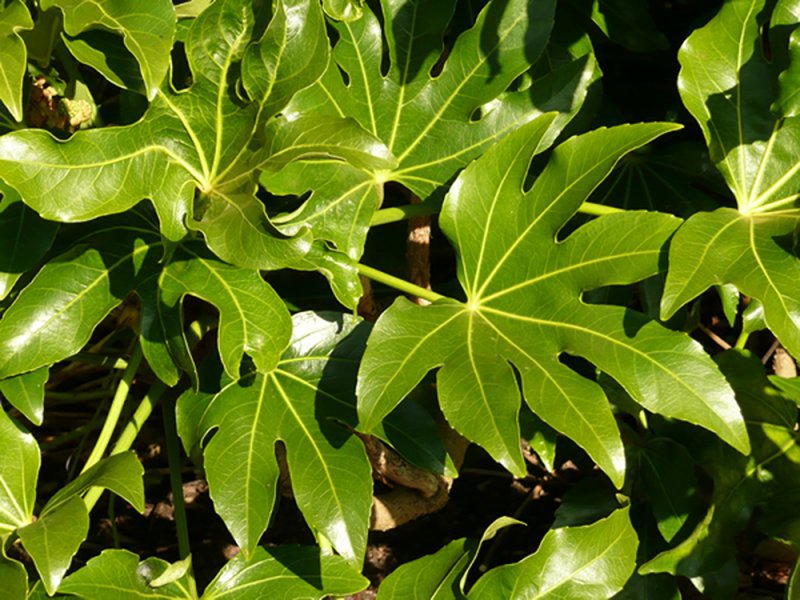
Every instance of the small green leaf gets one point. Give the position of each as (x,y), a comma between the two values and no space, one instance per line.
(26,393)
(343,10)
(147,34)
(121,571)
(527,313)
(14,18)
(19,468)
(298,403)
(285,572)
(24,239)
(14,578)
(588,562)
(54,539)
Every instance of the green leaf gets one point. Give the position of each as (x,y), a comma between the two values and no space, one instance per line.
(19,469)
(24,239)
(14,578)
(54,316)
(121,571)
(121,473)
(147,34)
(343,10)
(669,482)
(588,562)
(299,403)
(433,125)
(26,393)
(527,313)
(13,56)
(205,139)
(729,86)
(285,572)
(54,539)
(740,483)
(629,24)
(442,575)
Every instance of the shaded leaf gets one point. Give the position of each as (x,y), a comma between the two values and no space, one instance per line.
(593,561)
(629,24)
(299,403)
(527,313)
(19,469)
(14,578)
(14,18)
(26,393)
(285,573)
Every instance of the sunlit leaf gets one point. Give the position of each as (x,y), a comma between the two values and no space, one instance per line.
(14,18)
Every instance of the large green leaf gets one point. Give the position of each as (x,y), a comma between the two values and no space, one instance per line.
(19,469)
(741,483)
(206,139)
(434,125)
(147,35)
(287,572)
(13,56)
(121,571)
(589,562)
(24,239)
(729,87)
(298,403)
(527,312)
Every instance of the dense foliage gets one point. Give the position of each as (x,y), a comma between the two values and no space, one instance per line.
(198,197)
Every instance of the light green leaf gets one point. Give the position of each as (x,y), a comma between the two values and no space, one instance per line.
(26,393)
(740,483)
(121,571)
(13,56)
(54,539)
(442,575)
(14,578)
(588,562)
(24,239)
(729,86)
(54,316)
(121,473)
(19,469)
(298,403)
(286,573)
(203,139)
(433,125)
(192,8)
(343,10)
(527,313)
(147,34)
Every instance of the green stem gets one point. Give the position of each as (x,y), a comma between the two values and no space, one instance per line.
(115,410)
(742,340)
(399,284)
(409,211)
(175,480)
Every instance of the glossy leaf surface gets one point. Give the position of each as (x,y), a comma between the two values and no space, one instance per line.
(593,561)
(19,469)
(26,393)
(14,17)
(298,403)
(527,313)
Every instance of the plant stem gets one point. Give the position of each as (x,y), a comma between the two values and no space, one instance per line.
(399,284)
(115,410)
(175,480)
(409,211)
(742,340)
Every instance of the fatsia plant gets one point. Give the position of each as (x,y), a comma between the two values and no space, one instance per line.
(525,312)
(746,106)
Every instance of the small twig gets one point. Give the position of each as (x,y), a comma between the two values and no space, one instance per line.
(769,353)
(714,337)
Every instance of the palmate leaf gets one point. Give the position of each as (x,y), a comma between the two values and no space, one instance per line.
(729,87)
(298,403)
(13,56)
(593,561)
(434,125)
(764,478)
(524,309)
(147,37)
(208,139)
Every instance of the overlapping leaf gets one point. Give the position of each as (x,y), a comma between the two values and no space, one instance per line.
(766,476)
(433,124)
(147,37)
(208,139)
(19,469)
(587,562)
(524,308)
(14,17)
(298,403)
(26,393)
(729,87)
